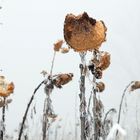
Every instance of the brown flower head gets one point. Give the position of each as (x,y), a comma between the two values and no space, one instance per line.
(135,85)
(62,79)
(5,88)
(58,45)
(84,33)
(100,86)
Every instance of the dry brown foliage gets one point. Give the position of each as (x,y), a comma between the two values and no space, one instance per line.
(100,86)
(84,33)
(104,61)
(135,85)
(58,45)
(64,50)
(62,79)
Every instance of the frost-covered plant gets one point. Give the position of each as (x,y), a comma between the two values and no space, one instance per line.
(50,82)
(6,89)
(83,33)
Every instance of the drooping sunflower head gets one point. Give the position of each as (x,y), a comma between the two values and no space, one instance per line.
(83,33)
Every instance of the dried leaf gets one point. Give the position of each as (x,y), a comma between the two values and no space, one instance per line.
(100,86)
(135,85)
(98,73)
(58,45)
(104,61)
(84,33)
(65,50)
(62,79)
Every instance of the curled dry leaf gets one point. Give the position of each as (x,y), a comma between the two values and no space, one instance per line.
(100,86)
(98,73)
(83,33)
(62,79)
(104,61)
(135,85)
(5,88)
(65,50)
(58,45)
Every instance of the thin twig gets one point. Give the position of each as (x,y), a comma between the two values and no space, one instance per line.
(52,63)
(27,109)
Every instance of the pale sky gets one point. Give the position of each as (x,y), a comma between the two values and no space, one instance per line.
(29,29)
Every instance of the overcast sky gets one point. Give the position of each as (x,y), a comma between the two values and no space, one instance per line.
(29,29)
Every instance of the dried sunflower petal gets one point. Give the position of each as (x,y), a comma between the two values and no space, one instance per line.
(58,45)
(84,33)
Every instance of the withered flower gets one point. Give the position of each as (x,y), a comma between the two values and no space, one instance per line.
(62,79)
(104,61)
(135,85)
(100,86)
(58,45)
(5,88)
(83,33)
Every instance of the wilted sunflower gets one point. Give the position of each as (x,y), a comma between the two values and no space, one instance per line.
(58,45)
(5,88)
(84,33)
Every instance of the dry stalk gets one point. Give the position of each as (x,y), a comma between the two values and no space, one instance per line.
(3,122)
(27,109)
(122,98)
(82,97)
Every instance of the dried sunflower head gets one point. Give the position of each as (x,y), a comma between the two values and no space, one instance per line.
(5,88)
(135,85)
(83,33)
(58,45)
